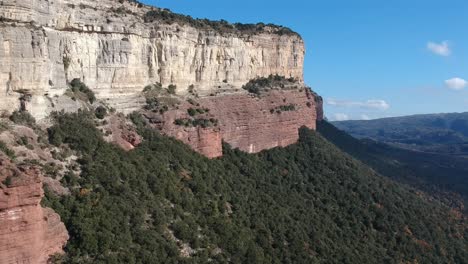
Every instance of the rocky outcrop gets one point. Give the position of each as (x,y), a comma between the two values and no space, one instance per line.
(245,121)
(108,45)
(28,232)
(121,132)
(319,107)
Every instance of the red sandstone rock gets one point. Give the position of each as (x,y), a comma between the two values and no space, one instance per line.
(318,104)
(247,122)
(28,232)
(123,134)
(206,141)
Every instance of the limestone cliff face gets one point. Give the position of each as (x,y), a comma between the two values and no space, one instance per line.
(44,44)
(28,232)
(250,123)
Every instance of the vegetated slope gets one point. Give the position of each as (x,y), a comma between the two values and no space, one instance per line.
(307,203)
(440,174)
(437,133)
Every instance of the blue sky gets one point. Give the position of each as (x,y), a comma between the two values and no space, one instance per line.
(367,58)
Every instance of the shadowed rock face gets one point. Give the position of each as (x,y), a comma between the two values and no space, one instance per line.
(28,232)
(247,122)
(44,44)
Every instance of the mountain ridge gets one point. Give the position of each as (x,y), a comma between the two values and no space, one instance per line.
(436,133)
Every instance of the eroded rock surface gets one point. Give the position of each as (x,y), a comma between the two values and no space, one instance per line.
(250,123)
(108,45)
(120,131)
(29,233)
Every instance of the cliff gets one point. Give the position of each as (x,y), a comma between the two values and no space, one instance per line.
(119,48)
(245,121)
(28,232)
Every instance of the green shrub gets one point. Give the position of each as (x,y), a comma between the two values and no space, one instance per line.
(163,109)
(152,87)
(171,89)
(8,181)
(191,101)
(221,26)
(192,112)
(76,129)
(23,141)
(257,85)
(66,63)
(137,119)
(191,89)
(180,122)
(79,87)
(51,169)
(283,108)
(199,122)
(70,179)
(100,112)
(23,118)
(4,127)
(6,150)
(152,103)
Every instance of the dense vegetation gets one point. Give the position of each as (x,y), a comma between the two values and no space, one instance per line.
(308,203)
(159,99)
(447,133)
(79,90)
(196,122)
(222,26)
(257,85)
(440,174)
(23,118)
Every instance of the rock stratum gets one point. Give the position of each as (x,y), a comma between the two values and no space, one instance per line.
(29,233)
(245,121)
(115,49)
(119,47)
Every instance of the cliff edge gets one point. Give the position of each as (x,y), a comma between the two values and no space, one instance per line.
(119,47)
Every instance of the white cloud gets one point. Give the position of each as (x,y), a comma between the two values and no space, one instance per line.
(365,117)
(340,117)
(456,84)
(374,104)
(442,49)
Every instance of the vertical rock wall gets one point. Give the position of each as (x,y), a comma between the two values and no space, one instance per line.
(250,123)
(44,44)
(28,232)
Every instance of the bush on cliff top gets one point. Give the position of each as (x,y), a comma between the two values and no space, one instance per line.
(257,85)
(307,203)
(222,26)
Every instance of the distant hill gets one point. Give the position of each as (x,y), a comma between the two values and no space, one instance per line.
(442,175)
(437,133)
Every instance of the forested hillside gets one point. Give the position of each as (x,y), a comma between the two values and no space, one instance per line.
(443,175)
(307,203)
